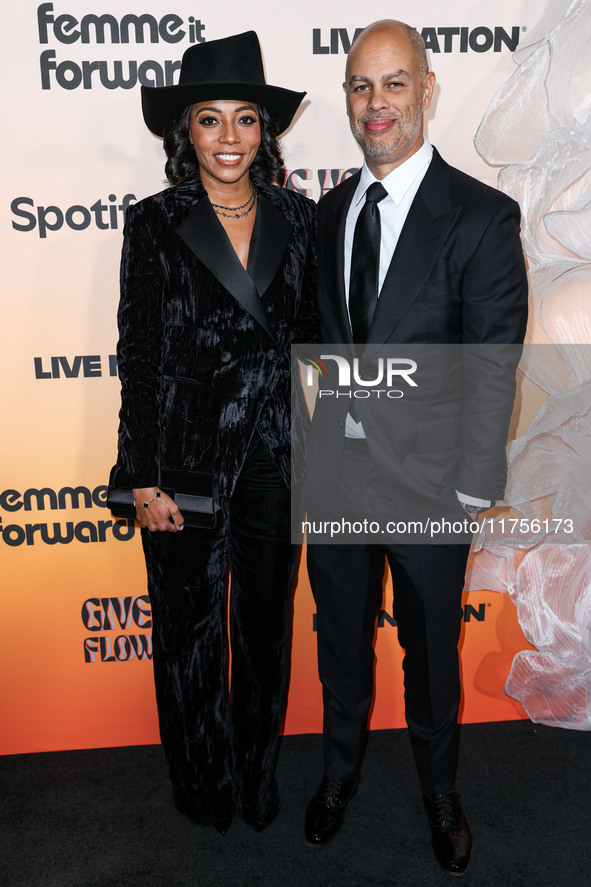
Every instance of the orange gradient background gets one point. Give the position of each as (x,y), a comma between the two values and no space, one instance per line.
(74,147)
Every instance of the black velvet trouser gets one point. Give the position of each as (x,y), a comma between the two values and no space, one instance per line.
(221,744)
(347,585)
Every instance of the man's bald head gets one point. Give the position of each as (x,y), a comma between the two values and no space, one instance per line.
(395,27)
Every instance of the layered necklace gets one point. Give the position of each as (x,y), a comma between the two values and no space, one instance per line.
(234,210)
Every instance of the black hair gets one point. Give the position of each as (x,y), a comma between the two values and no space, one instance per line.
(182,162)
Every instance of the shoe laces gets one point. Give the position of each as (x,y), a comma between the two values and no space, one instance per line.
(446,810)
(331,791)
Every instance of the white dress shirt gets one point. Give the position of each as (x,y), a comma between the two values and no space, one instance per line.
(402,185)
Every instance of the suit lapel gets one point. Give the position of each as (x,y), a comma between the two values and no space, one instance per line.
(204,235)
(427,225)
(334,271)
(270,237)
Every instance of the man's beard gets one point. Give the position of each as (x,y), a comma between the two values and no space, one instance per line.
(388,147)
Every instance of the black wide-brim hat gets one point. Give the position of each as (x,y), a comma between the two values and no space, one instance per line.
(230,68)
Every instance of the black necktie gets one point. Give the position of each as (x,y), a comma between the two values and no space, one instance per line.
(365,264)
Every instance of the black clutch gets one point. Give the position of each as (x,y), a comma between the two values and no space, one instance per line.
(195,493)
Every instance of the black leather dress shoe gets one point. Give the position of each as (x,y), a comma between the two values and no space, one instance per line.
(450,834)
(325,811)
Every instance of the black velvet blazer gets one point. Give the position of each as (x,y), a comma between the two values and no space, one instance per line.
(204,347)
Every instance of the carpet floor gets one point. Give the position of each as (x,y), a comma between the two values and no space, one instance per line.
(105,818)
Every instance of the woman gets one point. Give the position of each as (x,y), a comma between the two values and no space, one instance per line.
(216,282)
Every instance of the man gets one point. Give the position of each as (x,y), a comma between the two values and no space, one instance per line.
(450,270)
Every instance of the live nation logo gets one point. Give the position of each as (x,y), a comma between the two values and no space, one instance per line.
(479,39)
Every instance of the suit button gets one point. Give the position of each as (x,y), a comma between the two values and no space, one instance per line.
(340,424)
(226,357)
(272,354)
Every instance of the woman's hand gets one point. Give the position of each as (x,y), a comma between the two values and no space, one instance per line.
(162,514)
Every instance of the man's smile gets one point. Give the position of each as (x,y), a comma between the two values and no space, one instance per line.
(377,125)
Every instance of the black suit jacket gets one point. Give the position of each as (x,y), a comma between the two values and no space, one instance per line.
(457,278)
(204,348)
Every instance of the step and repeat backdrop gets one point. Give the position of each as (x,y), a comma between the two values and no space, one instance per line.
(75,618)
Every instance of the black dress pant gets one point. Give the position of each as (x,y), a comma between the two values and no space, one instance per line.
(219,723)
(347,582)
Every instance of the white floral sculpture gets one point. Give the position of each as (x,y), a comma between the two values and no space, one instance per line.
(538,126)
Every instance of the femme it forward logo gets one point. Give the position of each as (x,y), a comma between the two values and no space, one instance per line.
(356,378)
(59,532)
(64,28)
